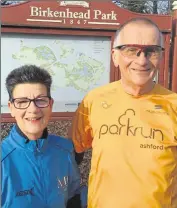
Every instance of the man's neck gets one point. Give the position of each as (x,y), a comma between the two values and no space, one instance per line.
(137,90)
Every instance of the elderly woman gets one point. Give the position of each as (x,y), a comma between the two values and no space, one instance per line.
(38,169)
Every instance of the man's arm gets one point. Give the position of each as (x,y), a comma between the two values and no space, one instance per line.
(79,157)
(81,131)
(77,193)
(74,202)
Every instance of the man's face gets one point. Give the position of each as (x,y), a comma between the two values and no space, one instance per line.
(141,70)
(32,120)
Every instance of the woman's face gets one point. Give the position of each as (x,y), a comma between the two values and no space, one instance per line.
(32,120)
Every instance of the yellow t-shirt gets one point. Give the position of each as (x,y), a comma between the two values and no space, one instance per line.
(134,141)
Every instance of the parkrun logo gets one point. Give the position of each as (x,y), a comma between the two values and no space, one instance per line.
(39,12)
(125,126)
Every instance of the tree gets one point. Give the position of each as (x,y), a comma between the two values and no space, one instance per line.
(144,6)
(5,3)
(139,6)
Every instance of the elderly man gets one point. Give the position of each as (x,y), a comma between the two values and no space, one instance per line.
(37,169)
(131,126)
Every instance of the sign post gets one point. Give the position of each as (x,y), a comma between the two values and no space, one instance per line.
(73,41)
(174,72)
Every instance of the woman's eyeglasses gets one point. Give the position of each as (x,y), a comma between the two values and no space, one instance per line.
(23,103)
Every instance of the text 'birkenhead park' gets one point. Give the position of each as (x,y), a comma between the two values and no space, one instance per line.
(48,12)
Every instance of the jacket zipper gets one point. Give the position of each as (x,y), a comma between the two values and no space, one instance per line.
(42,173)
(37,146)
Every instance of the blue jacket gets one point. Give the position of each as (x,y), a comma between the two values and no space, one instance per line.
(41,173)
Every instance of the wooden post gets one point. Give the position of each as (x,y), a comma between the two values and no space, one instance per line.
(174,70)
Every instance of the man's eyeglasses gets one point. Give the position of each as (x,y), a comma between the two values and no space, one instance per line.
(132,51)
(23,103)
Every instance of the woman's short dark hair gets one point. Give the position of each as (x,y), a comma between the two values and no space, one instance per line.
(28,74)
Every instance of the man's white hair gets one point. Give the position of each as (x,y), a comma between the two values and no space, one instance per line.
(136,20)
